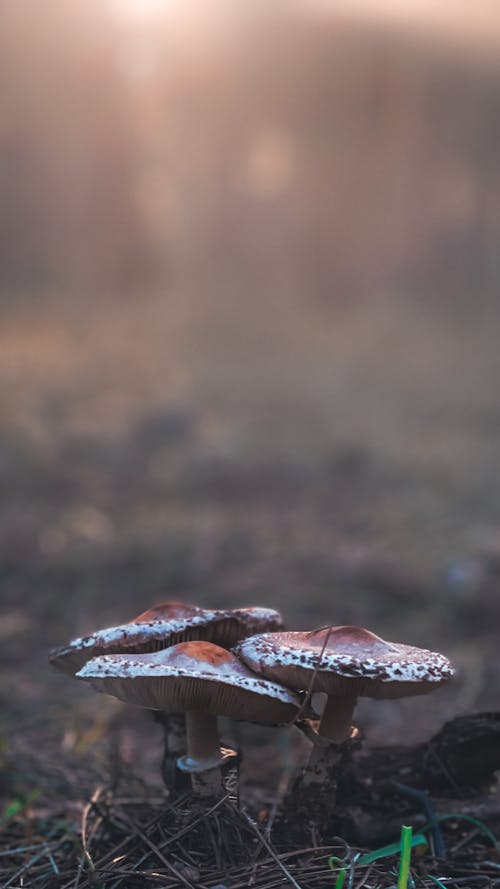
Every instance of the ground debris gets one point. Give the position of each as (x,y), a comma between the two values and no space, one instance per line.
(125,841)
(461,758)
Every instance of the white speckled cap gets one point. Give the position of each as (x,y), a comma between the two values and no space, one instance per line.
(354,661)
(192,676)
(164,625)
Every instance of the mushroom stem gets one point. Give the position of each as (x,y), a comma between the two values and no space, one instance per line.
(312,798)
(336,721)
(322,767)
(335,729)
(205,758)
(202,737)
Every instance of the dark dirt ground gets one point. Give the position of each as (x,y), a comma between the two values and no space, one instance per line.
(139,463)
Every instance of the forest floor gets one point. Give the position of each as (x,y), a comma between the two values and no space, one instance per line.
(115,497)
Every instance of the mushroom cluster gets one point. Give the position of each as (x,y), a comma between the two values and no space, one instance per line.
(194,665)
(175,659)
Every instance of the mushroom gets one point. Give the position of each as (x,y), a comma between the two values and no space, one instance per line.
(203,681)
(345,663)
(161,626)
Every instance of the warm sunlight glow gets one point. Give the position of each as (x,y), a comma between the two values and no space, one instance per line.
(141,9)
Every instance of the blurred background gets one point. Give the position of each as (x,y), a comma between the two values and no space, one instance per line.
(249,324)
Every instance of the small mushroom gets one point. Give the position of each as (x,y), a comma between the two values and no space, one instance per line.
(203,681)
(345,663)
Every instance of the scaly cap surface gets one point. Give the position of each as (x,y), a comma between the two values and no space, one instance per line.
(164,625)
(352,660)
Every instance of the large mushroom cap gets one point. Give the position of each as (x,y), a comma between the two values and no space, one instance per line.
(351,660)
(164,625)
(192,676)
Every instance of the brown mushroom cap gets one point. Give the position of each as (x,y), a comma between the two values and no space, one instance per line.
(192,676)
(354,662)
(171,610)
(164,625)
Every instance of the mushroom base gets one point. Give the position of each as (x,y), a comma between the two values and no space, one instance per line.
(196,766)
(313,796)
(215,777)
(324,762)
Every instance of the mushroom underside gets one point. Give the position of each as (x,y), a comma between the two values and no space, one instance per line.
(179,694)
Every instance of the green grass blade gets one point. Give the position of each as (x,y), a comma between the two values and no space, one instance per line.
(341,878)
(392,849)
(404,861)
(332,861)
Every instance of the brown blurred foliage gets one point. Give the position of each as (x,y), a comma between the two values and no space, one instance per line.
(257,152)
